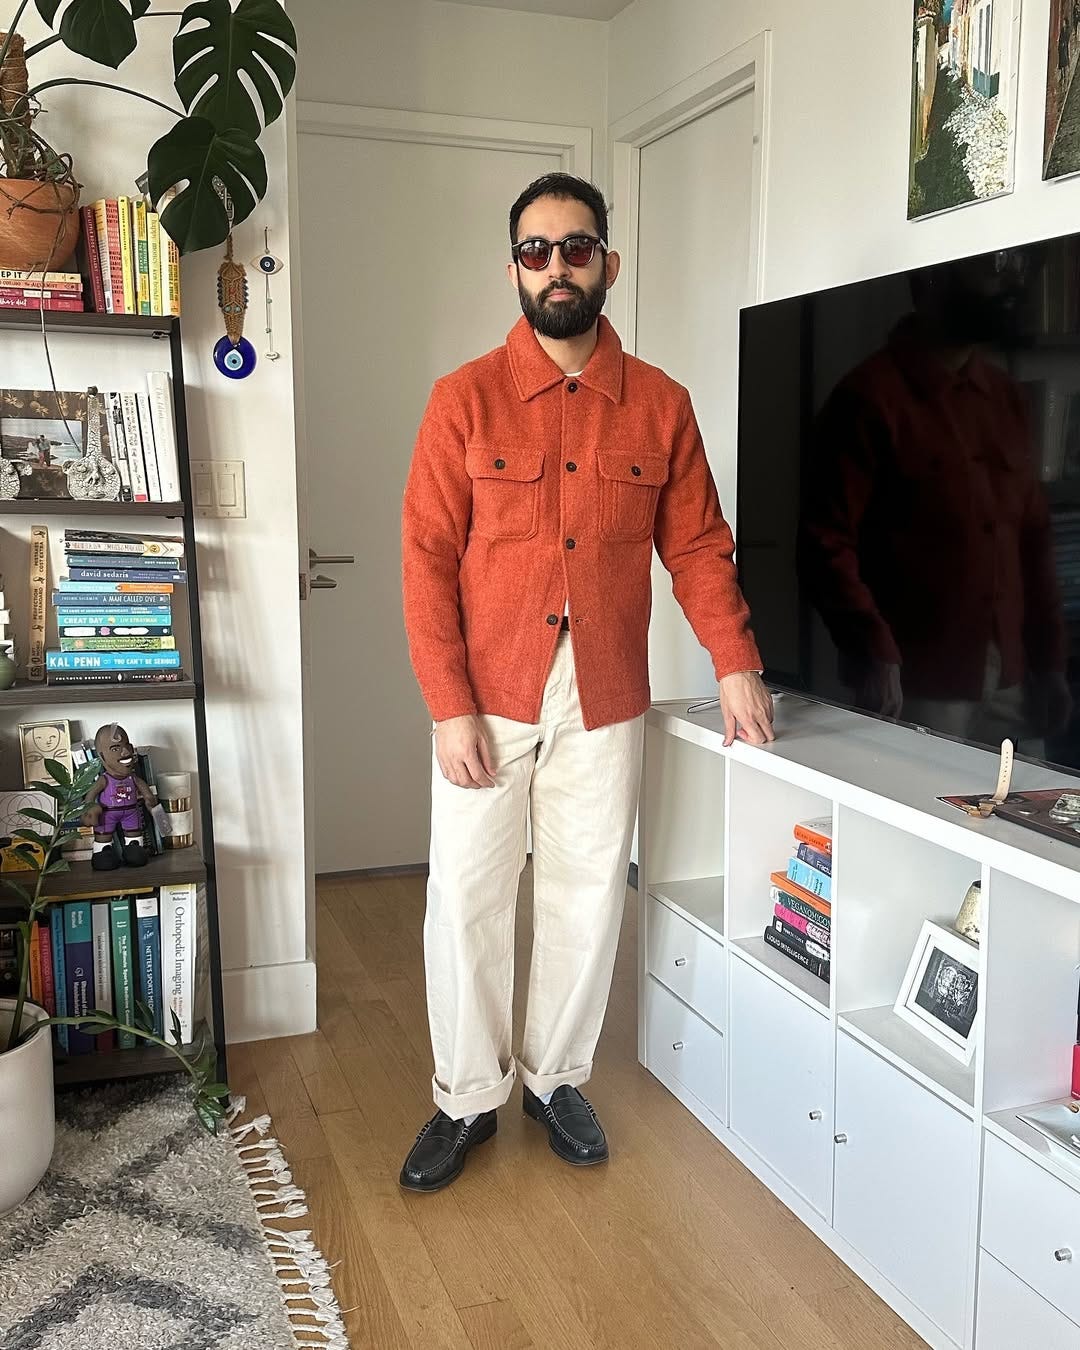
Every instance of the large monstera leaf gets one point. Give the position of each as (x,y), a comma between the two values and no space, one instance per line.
(256,38)
(103,30)
(194,153)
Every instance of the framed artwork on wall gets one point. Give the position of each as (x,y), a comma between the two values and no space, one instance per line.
(1061,134)
(963,103)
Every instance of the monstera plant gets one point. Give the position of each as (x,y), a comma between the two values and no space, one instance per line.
(233,66)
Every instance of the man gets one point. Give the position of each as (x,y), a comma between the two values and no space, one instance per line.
(542,474)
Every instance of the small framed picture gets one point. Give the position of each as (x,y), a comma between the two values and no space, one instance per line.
(39,741)
(940,992)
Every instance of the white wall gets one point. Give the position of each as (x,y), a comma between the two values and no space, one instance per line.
(248,568)
(836,177)
(465,60)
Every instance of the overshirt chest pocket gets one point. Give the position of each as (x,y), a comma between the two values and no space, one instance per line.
(630,485)
(505,491)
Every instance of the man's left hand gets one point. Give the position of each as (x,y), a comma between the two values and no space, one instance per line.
(747,707)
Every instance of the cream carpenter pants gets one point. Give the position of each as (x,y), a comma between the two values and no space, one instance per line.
(582,789)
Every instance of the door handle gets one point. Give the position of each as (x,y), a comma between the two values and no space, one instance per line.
(314,560)
(322,583)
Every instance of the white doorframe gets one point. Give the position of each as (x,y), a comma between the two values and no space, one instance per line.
(741,71)
(574,147)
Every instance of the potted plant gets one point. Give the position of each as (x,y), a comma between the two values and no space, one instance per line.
(212,150)
(27,1123)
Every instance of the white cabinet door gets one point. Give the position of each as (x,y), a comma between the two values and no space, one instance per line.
(1009,1314)
(904,1179)
(781,1081)
(681,1047)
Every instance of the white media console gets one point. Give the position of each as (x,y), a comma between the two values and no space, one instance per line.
(910,1165)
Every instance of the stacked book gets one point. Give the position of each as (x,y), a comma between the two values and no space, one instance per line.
(107,951)
(142,441)
(41,290)
(801,926)
(130,264)
(114,609)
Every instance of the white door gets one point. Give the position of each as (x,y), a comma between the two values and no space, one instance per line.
(403,248)
(781,1082)
(695,198)
(903,1183)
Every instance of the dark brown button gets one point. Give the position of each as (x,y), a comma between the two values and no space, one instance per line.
(571,388)
(571,543)
(636,471)
(571,467)
(500,463)
(553,619)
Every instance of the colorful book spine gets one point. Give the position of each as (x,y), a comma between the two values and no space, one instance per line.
(36,982)
(165,565)
(796,954)
(119,445)
(103,981)
(134,616)
(815,858)
(39,565)
(68,305)
(63,661)
(123,968)
(781,881)
(127,254)
(810,878)
(153,236)
(170,262)
(150,601)
(143,574)
(138,591)
(101,223)
(799,939)
(79,960)
(148,946)
(817,833)
(56,934)
(48,983)
(115,677)
(92,258)
(108,541)
(116,261)
(805,926)
(48,293)
(95,643)
(14,276)
(791,902)
(142,256)
(178,951)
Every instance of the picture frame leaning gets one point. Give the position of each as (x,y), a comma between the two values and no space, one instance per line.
(939,994)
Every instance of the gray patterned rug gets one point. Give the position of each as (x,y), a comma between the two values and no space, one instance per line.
(147,1232)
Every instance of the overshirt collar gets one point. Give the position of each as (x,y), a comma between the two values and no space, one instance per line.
(534,371)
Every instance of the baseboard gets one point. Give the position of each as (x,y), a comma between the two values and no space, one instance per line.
(267,1001)
(373,873)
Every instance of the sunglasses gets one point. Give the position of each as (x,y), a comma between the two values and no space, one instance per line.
(578,250)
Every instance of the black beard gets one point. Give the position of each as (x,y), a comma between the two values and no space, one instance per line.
(565,318)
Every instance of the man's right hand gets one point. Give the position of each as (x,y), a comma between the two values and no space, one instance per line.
(463,753)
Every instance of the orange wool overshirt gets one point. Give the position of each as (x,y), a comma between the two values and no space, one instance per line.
(527,488)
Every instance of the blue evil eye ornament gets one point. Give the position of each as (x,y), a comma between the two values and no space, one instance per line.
(234,362)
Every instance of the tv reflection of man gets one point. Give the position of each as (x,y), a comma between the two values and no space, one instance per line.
(925,540)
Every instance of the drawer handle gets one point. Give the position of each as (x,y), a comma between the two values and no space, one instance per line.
(676,1045)
(680,960)
(839,1138)
(1063,1254)
(815,1115)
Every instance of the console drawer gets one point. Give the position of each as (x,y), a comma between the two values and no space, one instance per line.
(692,965)
(681,1045)
(1031,1223)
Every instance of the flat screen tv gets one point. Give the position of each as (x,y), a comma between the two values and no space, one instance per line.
(908,515)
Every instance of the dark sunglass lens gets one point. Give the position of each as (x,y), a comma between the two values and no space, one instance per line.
(534,254)
(577,249)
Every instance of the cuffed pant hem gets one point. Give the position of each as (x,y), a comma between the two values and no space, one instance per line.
(540,1083)
(460,1104)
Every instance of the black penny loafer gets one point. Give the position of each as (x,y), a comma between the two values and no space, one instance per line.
(438,1156)
(574,1132)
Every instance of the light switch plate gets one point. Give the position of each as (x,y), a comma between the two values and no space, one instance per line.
(217,487)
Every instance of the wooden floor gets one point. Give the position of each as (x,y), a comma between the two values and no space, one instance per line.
(672,1243)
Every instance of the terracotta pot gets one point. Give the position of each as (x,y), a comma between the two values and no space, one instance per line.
(39,223)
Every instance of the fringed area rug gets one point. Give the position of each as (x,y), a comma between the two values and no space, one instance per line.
(147,1232)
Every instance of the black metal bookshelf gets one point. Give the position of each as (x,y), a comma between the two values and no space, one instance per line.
(179,865)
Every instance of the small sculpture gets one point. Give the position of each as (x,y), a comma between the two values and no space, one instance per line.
(93,477)
(119,798)
(969,918)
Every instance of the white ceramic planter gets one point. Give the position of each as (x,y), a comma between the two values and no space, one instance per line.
(27,1115)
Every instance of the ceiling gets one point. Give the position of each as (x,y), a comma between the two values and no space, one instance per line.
(571,9)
